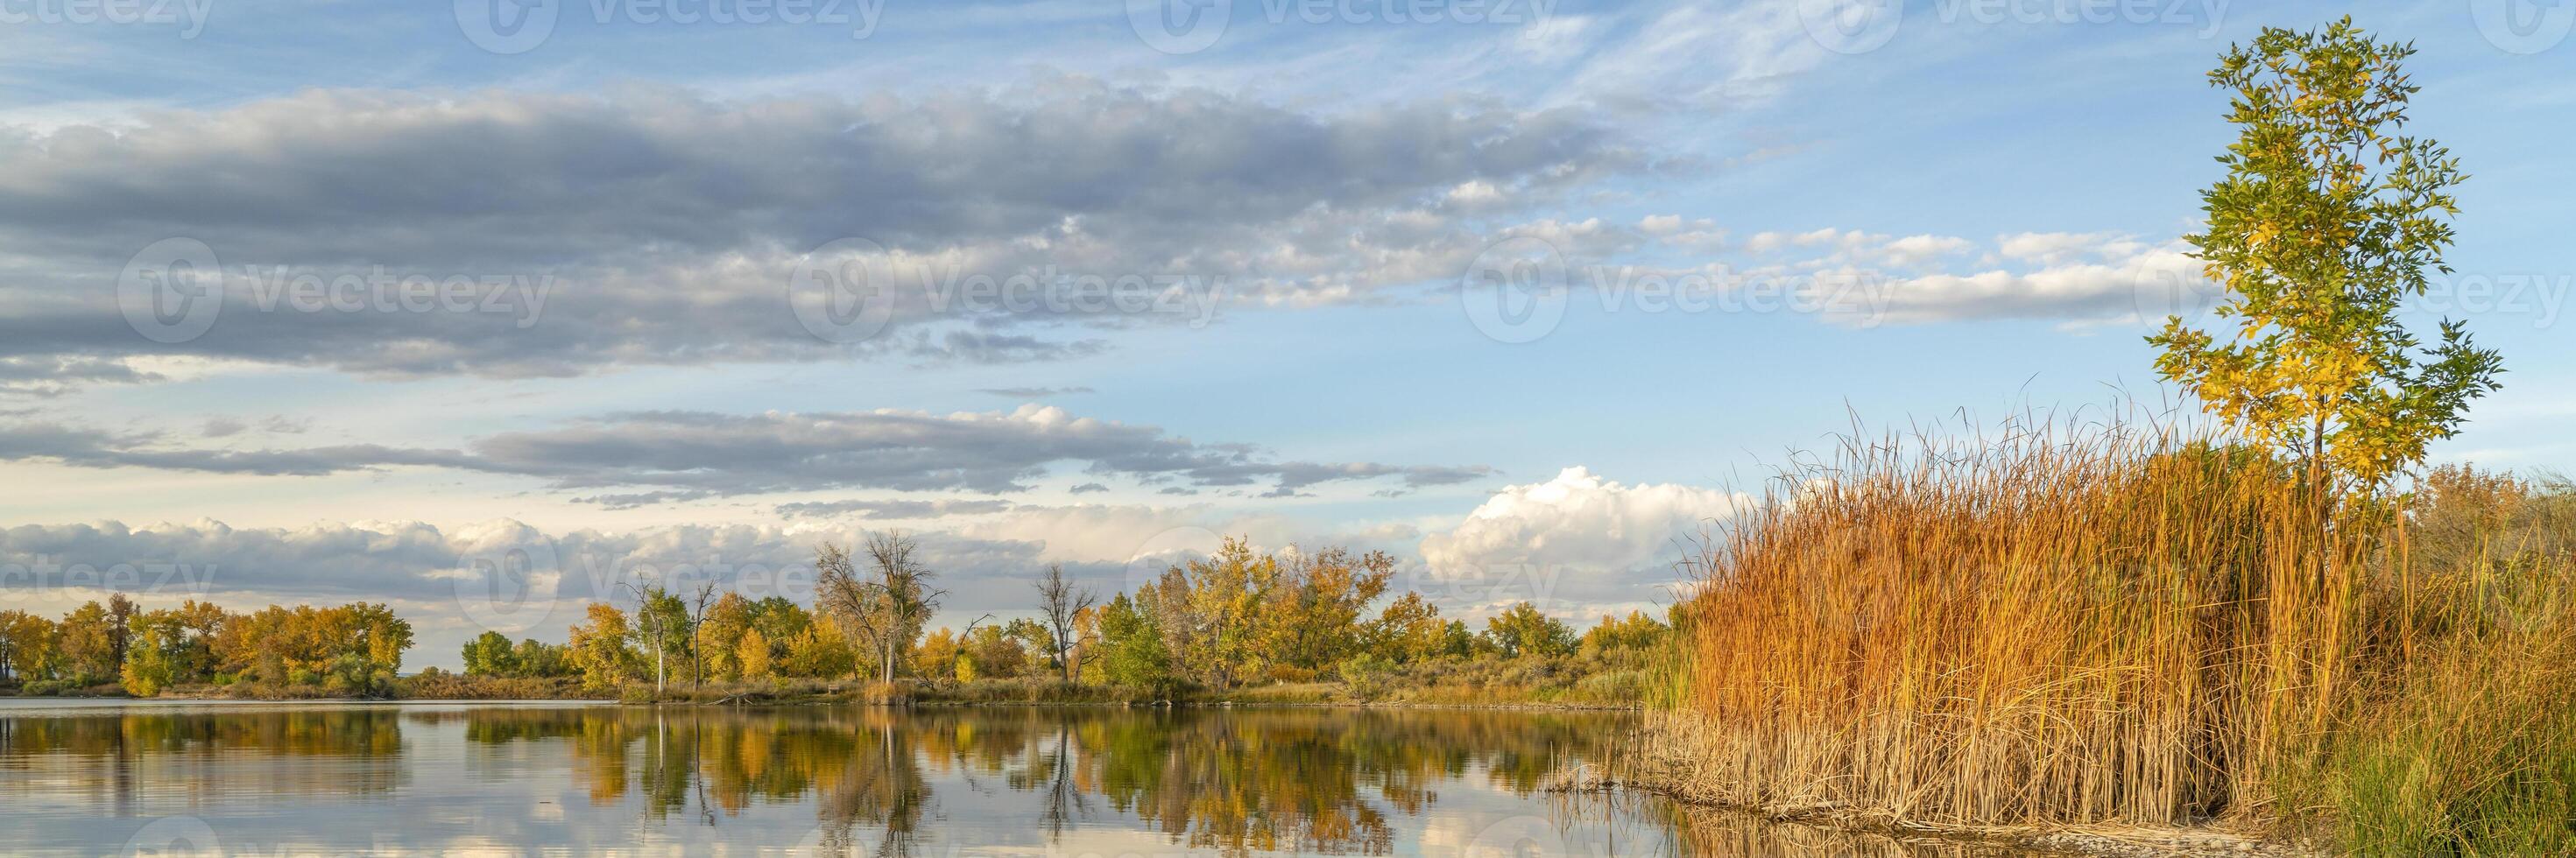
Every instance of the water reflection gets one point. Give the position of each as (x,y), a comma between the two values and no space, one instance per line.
(840,780)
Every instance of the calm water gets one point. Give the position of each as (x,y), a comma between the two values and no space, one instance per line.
(523,779)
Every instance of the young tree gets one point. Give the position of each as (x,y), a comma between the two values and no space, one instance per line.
(2327,220)
(1060,602)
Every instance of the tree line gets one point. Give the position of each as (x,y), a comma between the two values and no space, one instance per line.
(1236,618)
(353,649)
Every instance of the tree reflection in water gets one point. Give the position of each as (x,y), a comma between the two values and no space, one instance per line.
(1229,781)
(873,780)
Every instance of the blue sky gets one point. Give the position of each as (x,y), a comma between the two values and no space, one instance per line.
(1974,202)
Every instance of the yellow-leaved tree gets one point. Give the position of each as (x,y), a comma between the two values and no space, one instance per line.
(2327,220)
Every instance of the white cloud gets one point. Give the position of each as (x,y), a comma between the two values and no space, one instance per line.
(1615,540)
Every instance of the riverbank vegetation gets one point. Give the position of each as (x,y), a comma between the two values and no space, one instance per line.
(2045,630)
(115,647)
(1238,626)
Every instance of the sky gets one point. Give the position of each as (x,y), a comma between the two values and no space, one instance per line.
(481,308)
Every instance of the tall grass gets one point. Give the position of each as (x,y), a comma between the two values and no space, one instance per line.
(2105,627)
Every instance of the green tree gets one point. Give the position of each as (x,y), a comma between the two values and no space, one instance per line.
(1133,652)
(2327,219)
(490,654)
(1523,630)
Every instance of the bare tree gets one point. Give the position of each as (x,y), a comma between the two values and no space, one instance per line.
(889,607)
(1061,601)
(703,597)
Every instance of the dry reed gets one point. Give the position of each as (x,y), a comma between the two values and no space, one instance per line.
(2105,627)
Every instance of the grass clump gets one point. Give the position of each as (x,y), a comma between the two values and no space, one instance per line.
(2108,628)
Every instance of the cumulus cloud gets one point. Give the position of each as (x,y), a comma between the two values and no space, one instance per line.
(1587,538)
(664,456)
(666,226)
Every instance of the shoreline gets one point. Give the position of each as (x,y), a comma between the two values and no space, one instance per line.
(79,701)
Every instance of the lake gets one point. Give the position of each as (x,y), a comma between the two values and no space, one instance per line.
(339,779)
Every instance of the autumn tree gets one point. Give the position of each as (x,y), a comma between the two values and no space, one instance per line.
(1409,630)
(600,650)
(1637,631)
(1316,605)
(86,646)
(751,656)
(720,633)
(26,645)
(2327,220)
(936,657)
